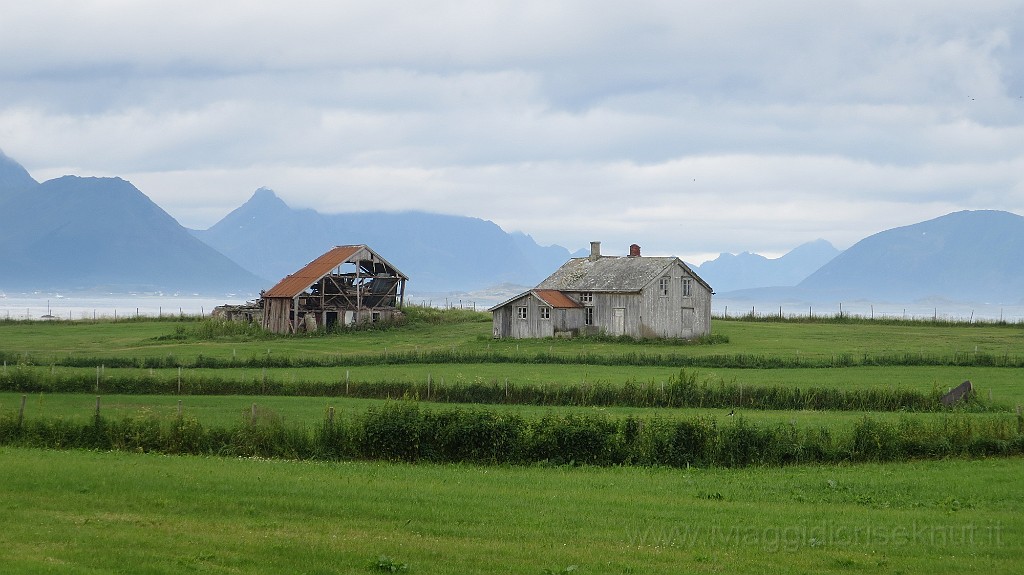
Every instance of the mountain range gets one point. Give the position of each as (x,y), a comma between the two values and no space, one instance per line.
(439,252)
(729,272)
(967,256)
(75,233)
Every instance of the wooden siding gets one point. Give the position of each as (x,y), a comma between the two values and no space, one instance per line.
(642,312)
(561,321)
(277,315)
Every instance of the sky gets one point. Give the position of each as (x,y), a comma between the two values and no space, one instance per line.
(690,128)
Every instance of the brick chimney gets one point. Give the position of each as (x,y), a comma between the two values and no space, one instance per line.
(595,251)
(634,251)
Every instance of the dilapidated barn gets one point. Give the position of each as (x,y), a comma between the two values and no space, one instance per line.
(345,286)
(642,297)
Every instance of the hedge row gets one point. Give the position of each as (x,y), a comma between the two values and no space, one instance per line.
(403,431)
(716,361)
(681,390)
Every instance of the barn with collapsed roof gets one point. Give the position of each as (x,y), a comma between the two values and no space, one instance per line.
(347,285)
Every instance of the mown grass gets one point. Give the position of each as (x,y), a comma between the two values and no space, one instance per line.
(117,512)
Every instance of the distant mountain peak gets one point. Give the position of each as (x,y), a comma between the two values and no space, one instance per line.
(14,178)
(105,232)
(263,194)
(729,272)
(439,252)
(961,256)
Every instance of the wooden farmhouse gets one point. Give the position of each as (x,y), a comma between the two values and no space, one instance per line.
(641,297)
(347,285)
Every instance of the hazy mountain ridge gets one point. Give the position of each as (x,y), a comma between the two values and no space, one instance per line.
(438,252)
(14,179)
(74,233)
(963,256)
(729,272)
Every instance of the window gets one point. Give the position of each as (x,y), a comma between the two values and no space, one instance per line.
(521,312)
(545,312)
(687,286)
(588,316)
(375,316)
(587,297)
(663,286)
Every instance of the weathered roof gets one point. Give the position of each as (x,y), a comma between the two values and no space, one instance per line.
(610,273)
(298,282)
(553,298)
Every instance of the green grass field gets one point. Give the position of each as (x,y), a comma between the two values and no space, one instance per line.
(91,512)
(82,512)
(51,341)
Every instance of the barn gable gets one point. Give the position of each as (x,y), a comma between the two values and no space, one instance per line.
(346,285)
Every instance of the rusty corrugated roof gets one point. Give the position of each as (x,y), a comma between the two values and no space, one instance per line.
(555,298)
(552,297)
(301,280)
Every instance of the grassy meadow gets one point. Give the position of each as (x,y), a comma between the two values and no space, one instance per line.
(85,512)
(111,511)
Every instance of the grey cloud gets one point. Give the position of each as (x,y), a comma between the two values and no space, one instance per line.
(747,126)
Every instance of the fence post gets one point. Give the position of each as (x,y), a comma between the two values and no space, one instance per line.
(252,416)
(428,386)
(97,407)
(330,416)
(21,411)
(179,380)
(179,409)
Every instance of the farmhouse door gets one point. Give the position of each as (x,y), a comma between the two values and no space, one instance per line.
(689,317)
(619,321)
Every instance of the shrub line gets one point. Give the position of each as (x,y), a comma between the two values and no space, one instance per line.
(403,431)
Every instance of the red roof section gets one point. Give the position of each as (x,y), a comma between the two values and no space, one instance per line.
(555,298)
(301,280)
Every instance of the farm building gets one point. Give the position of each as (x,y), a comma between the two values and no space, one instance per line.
(346,285)
(642,297)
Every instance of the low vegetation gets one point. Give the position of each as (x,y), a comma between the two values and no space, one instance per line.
(682,389)
(404,431)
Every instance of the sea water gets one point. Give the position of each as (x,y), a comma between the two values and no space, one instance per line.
(77,306)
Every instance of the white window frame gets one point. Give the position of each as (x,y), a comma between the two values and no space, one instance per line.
(587,298)
(522,312)
(588,316)
(687,285)
(544,312)
(663,285)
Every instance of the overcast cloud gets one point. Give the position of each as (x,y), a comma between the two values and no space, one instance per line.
(690,128)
